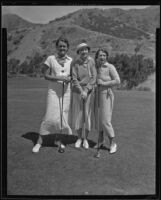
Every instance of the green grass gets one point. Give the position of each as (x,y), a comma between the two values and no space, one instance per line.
(130,171)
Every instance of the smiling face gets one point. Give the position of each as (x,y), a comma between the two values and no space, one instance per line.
(83,53)
(102,57)
(62,48)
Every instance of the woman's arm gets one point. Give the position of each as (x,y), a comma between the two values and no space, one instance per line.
(75,78)
(92,80)
(114,76)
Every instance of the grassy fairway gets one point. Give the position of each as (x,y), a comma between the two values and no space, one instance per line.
(130,171)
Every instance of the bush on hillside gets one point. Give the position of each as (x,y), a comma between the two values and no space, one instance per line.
(133,69)
(13,66)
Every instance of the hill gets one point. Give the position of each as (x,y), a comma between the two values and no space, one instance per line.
(127,24)
(118,30)
(13,21)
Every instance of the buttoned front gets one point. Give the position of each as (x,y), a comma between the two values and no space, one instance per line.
(83,74)
(59,67)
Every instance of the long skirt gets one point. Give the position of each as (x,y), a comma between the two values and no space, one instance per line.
(52,120)
(105,108)
(77,111)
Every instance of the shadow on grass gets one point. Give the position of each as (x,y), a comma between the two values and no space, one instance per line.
(50,140)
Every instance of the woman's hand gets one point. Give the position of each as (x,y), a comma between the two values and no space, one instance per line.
(104,77)
(84,95)
(65,79)
(100,82)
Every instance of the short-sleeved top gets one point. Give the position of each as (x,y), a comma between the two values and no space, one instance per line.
(107,70)
(83,74)
(59,67)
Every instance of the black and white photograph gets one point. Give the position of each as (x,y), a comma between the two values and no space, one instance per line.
(81,99)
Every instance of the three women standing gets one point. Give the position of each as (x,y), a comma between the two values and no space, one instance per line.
(60,102)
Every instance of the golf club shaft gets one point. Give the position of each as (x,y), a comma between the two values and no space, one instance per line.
(98,148)
(84,120)
(62,112)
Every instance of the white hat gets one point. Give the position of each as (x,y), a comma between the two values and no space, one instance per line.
(82,45)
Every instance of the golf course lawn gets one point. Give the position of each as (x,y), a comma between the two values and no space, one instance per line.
(130,171)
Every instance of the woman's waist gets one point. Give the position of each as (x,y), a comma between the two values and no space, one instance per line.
(57,85)
(103,89)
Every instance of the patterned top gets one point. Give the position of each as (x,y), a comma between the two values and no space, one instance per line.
(83,74)
(107,72)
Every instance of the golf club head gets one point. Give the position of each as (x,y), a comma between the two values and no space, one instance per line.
(97,155)
(60,150)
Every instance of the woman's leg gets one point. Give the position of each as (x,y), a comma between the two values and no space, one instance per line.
(79,140)
(38,145)
(86,134)
(106,116)
(85,141)
(100,140)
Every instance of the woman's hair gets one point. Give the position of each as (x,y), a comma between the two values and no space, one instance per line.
(96,55)
(62,39)
(101,49)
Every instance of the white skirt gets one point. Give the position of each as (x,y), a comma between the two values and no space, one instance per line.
(52,120)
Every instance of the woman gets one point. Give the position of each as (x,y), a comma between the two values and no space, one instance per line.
(83,81)
(58,76)
(107,77)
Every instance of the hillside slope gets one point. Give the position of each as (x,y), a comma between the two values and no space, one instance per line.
(118,30)
(13,21)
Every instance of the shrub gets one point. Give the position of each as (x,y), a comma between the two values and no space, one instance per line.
(13,66)
(133,69)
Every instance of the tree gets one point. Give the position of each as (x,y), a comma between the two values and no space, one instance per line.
(13,66)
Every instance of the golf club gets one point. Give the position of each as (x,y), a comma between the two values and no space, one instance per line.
(84,120)
(60,150)
(98,147)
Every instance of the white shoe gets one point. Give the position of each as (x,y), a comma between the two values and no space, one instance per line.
(113,148)
(78,143)
(36,148)
(62,146)
(85,144)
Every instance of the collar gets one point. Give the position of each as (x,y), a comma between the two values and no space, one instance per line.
(86,61)
(64,58)
(105,64)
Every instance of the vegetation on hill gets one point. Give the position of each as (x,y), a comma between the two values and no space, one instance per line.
(133,69)
(128,35)
(133,23)
(13,22)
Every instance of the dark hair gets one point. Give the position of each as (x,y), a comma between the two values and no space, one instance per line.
(62,39)
(101,49)
(83,41)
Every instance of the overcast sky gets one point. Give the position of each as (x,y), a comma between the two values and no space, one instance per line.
(43,14)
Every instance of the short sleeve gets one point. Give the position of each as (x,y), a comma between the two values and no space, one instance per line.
(48,61)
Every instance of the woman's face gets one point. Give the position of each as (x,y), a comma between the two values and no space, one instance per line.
(102,57)
(84,52)
(62,48)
